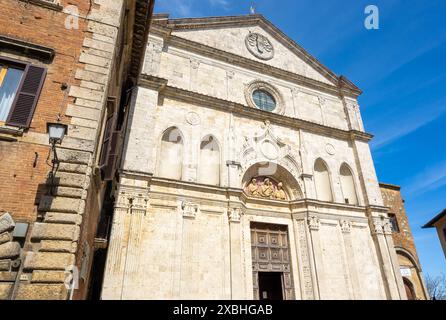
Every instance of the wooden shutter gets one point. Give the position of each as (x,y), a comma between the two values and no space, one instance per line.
(25,101)
(106,140)
(109,170)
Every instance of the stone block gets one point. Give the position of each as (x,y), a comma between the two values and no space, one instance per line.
(57,246)
(48,260)
(52,231)
(6,276)
(64,218)
(94,60)
(41,292)
(82,112)
(46,276)
(72,156)
(5,237)
(78,144)
(9,250)
(81,132)
(103,29)
(73,168)
(65,179)
(68,192)
(84,122)
(96,44)
(5,265)
(6,222)
(59,204)
(84,93)
(6,290)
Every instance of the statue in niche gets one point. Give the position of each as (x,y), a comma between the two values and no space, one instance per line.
(264,187)
(279,194)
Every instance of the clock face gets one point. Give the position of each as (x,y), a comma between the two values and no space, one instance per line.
(259,46)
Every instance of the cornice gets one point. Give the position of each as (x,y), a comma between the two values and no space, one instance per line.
(342,88)
(152,82)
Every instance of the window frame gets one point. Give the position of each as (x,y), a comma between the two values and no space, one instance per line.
(18,65)
(394,222)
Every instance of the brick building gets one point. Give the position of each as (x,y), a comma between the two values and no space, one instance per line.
(71,63)
(404,243)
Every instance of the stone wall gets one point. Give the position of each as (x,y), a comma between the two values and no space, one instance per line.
(83,60)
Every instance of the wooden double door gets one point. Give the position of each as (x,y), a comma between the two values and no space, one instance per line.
(271,266)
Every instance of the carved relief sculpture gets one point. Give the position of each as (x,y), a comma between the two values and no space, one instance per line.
(259,46)
(266,188)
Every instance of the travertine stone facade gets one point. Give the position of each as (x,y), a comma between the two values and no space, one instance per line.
(182,238)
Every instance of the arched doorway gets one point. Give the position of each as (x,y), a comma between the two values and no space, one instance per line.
(410,292)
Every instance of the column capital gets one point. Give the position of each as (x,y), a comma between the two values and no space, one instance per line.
(314,223)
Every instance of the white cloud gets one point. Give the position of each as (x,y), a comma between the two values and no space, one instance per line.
(430,179)
(221,3)
(179,8)
(404,124)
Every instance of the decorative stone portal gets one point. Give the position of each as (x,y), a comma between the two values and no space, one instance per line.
(270,260)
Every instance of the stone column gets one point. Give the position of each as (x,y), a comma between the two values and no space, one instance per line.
(235,214)
(350,259)
(384,258)
(189,277)
(304,260)
(117,249)
(131,281)
(387,229)
(315,253)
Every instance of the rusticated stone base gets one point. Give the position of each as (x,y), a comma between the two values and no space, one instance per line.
(42,292)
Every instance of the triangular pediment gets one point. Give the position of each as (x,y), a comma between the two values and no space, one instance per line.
(230,33)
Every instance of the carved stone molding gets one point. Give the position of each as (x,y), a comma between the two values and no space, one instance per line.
(193,118)
(259,46)
(189,209)
(346,226)
(139,202)
(194,63)
(305,260)
(387,227)
(235,214)
(377,227)
(314,223)
(230,74)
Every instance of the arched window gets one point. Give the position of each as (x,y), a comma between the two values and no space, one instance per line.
(209,161)
(348,185)
(170,160)
(322,181)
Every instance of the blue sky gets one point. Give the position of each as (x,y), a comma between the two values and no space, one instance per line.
(402,70)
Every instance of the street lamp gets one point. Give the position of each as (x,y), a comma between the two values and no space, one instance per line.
(56,132)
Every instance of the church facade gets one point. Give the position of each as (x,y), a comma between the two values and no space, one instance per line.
(246,174)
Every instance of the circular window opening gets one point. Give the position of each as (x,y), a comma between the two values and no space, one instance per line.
(264,100)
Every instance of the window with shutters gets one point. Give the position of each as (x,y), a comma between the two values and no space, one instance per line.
(20,86)
(10,78)
(110,140)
